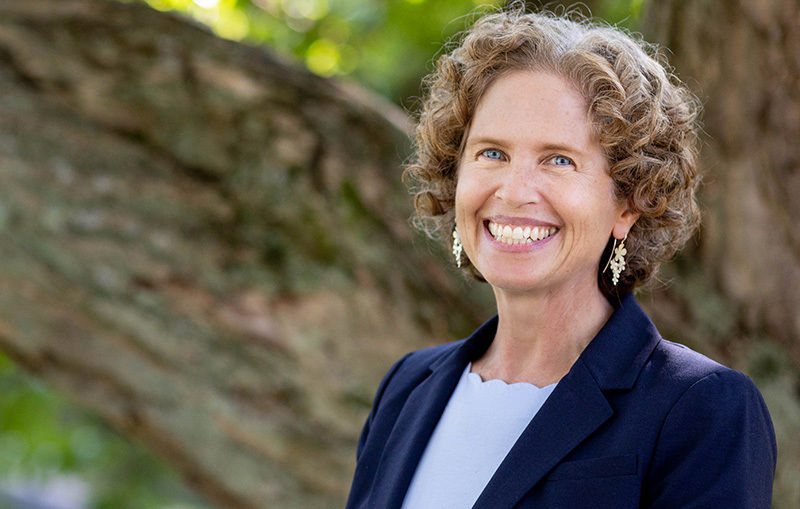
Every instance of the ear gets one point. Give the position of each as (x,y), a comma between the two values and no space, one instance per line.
(624,222)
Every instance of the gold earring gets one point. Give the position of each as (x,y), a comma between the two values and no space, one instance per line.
(457,247)
(617,259)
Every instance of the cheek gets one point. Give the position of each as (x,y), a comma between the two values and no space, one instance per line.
(459,203)
(470,194)
(589,208)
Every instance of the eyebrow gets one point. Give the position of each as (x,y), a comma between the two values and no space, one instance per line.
(488,140)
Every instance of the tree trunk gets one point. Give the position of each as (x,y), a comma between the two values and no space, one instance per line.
(207,246)
(739,296)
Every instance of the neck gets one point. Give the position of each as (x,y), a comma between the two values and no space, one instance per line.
(540,336)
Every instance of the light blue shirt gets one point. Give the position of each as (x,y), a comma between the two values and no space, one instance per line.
(479,425)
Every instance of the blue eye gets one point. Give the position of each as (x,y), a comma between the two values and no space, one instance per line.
(561,161)
(493,154)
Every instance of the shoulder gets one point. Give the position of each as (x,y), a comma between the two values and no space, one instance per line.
(426,356)
(696,399)
(715,441)
(679,369)
(415,365)
(708,392)
(399,381)
(704,388)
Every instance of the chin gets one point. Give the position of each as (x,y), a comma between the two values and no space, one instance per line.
(513,284)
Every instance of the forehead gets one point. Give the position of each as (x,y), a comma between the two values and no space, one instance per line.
(533,103)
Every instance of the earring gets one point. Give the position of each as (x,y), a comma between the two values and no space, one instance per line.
(617,259)
(457,247)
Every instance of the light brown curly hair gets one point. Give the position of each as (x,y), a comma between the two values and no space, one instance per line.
(644,118)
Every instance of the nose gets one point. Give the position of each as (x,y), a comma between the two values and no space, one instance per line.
(520,184)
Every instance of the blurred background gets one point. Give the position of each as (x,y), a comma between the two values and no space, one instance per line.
(205,260)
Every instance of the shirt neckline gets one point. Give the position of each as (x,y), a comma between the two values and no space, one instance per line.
(476,379)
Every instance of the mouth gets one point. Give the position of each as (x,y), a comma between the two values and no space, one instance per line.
(513,235)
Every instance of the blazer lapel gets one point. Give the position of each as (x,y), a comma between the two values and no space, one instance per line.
(418,418)
(575,409)
(577,406)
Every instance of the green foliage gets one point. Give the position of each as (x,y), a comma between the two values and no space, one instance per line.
(386,45)
(625,13)
(42,434)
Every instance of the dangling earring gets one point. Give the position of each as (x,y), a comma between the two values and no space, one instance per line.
(457,247)
(617,259)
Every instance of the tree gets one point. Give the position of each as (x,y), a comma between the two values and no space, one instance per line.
(208,246)
(205,244)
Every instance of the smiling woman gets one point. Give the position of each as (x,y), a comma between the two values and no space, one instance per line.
(532,163)
(560,157)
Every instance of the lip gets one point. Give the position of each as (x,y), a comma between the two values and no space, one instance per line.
(519,248)
(518,221)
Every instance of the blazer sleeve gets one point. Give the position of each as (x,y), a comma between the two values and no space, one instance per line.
(381,389)
(716,448)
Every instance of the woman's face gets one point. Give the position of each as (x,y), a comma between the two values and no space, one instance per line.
(535,204)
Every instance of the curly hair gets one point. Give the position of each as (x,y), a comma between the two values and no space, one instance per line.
(645,120)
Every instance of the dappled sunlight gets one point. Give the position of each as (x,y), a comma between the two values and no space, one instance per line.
(331,38)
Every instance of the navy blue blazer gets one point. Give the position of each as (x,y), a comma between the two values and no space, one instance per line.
(637,422)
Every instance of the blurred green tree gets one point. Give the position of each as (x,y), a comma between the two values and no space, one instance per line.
(386,45)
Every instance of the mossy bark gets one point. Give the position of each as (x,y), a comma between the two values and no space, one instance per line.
(207,246)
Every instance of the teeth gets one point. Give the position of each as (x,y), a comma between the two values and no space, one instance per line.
(519,235)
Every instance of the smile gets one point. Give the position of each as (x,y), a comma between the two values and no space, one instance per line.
(511,235)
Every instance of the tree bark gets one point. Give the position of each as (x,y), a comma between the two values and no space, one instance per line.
(736,291)
(743,60)
(207,246)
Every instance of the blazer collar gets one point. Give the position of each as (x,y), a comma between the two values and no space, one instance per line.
(614,357)
(575,409)
(619,351)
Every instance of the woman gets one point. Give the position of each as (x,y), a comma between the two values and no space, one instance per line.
(562,158)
